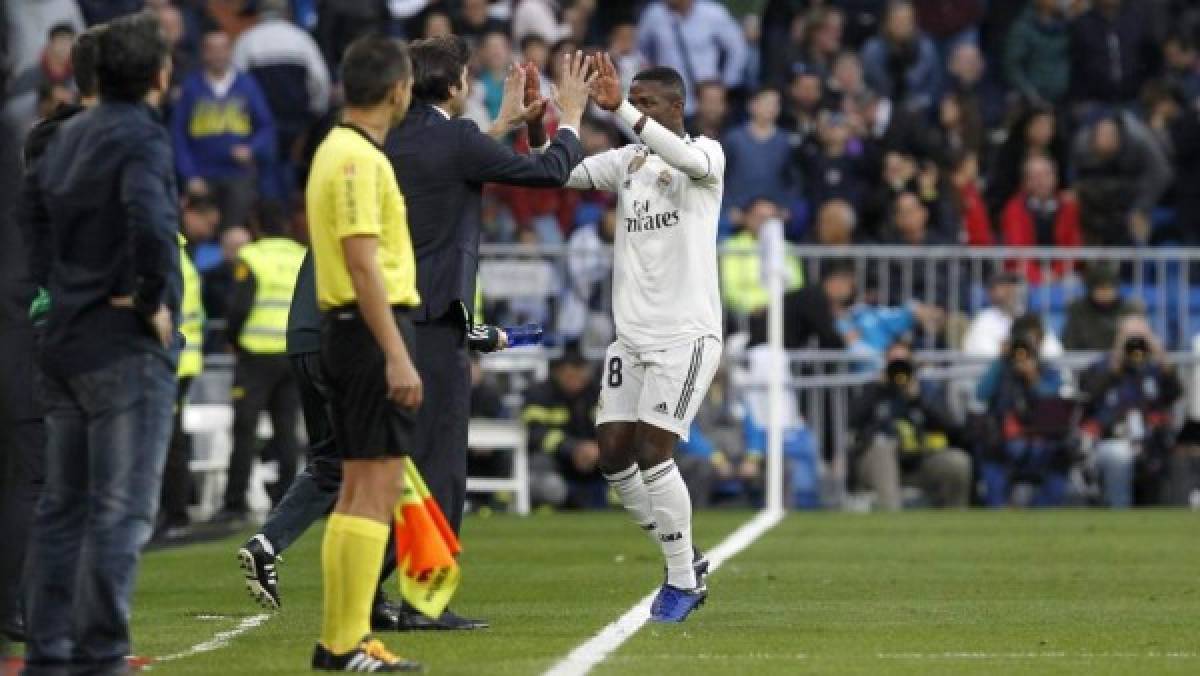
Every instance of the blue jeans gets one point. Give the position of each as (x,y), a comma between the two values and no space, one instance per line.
(107,434)
(1027,459)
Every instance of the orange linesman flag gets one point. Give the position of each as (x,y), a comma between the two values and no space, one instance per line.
(425,547)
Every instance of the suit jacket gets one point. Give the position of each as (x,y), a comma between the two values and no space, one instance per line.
(441,166)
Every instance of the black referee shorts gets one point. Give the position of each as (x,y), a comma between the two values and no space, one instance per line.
(366,423)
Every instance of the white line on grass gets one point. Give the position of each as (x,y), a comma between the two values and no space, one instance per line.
(219,639)
(595,650)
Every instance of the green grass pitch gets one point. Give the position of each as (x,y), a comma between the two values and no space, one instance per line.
(915,593)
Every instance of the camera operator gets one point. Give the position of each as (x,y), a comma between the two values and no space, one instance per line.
(1029,420)
(1130,393)
(905,437)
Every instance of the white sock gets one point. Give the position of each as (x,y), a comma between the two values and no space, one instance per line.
(672,509)
(629,485)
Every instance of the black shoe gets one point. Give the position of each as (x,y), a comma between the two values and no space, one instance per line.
(369,657)
(450,620)
(171,535)
(262,580)
(409,619)
(386,616)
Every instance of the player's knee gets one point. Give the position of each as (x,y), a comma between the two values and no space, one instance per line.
(616,444)
(653,446)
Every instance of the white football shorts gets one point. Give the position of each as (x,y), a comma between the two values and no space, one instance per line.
(661,387)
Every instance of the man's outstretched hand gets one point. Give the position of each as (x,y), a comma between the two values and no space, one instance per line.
(573,88)
(535,105)
(606,87)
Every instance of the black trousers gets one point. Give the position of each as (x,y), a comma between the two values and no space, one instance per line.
(440,452)
(262,383)
(315,491)
(22,460)
(177,474)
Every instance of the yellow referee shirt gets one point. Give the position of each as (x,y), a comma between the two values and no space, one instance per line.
(352,191)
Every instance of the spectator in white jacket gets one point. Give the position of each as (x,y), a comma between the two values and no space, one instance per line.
(989,330)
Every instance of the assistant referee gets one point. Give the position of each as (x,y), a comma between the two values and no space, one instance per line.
(365,285)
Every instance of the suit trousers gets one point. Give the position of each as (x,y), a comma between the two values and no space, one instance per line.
(440,452)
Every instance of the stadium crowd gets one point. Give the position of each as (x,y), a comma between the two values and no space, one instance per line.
(1037,123)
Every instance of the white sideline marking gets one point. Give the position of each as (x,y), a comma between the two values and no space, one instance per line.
(219,639)
(581,660)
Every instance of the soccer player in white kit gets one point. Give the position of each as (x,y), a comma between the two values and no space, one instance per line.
(667,308)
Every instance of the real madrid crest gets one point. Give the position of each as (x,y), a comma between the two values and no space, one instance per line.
(664,179)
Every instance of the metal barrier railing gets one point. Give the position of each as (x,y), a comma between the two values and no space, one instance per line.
(531,284)
(950,277)
(824,389)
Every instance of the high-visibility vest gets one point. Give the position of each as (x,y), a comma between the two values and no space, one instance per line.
(275,263)
(191,360)
(742,289)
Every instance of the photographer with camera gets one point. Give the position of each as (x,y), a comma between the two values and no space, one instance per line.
(1029,420)
(1128,422)
(905,437)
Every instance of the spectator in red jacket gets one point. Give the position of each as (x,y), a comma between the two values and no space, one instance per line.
(977,224)
(1041,215)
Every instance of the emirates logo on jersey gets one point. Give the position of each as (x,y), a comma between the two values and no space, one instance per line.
(643,220)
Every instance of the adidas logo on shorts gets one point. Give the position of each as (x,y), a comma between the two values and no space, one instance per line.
(661,408)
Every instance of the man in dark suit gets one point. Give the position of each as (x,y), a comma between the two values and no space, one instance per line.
(442,163)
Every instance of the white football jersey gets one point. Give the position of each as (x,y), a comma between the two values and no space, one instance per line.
(665,286)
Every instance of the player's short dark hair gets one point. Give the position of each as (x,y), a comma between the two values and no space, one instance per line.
(438,64)
(667,78)
(85,55)
(371,67)
(131,51)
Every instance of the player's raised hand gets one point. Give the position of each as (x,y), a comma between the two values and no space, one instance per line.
(606,87)
(574,85)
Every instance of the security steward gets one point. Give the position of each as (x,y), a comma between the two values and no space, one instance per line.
(174,524)
(264,279)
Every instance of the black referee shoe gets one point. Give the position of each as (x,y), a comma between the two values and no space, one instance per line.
(388,616)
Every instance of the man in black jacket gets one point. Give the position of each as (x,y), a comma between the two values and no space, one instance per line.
(106,226)
(442,163)
(23,431)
